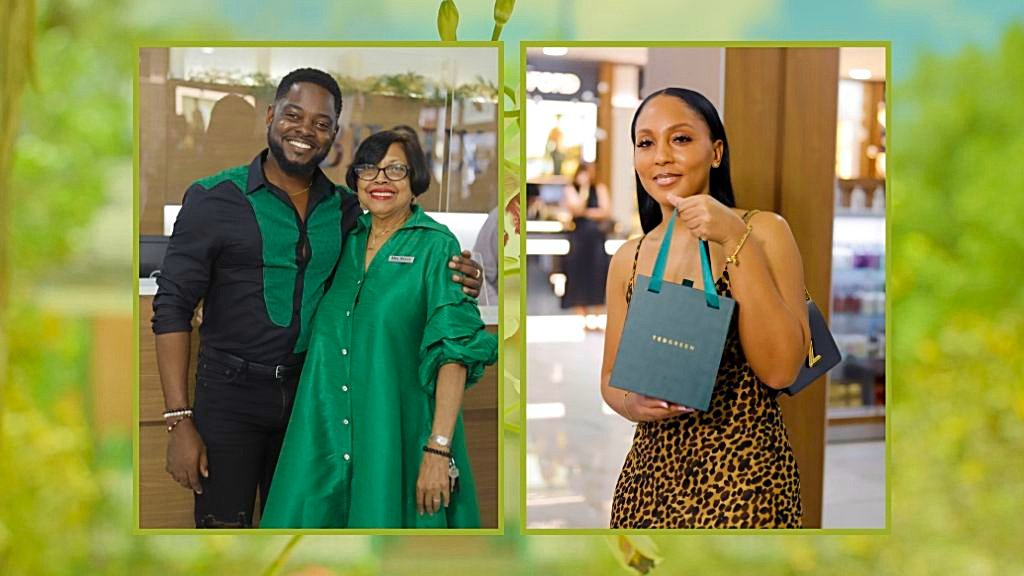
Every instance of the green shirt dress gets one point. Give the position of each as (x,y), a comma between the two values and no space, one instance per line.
(365,402)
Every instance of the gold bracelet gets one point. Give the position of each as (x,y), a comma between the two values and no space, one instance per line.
(625,409)
(743,240)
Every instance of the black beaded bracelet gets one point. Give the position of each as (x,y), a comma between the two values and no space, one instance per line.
(430,450)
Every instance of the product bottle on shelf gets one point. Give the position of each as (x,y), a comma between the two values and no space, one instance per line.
(853,303)
(858,199)
(874,259)
(878,200)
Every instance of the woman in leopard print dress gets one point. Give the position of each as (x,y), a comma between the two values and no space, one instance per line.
(731,466)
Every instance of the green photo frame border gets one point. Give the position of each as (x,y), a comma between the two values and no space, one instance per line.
(136,520)
(887,530)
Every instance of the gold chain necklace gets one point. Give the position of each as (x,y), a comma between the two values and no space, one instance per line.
(377,238)
(299,193)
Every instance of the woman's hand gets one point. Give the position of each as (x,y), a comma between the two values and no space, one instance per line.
(641,408)
(432,486)
(709,219)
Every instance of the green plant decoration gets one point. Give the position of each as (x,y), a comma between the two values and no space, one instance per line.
(447,21)
(502,12)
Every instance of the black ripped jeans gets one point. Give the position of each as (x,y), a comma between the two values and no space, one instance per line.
(241,415)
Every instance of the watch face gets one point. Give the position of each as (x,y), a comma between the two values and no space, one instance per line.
(441,440)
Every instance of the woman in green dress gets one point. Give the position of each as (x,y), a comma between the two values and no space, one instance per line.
(376,435)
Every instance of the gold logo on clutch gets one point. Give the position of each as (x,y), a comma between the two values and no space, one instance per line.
(673,342)
(811,358)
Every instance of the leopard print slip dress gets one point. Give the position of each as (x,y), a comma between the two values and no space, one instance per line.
(729,467)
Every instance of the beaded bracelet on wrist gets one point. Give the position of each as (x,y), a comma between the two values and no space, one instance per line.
(187,412)
(173,425)
(430,450)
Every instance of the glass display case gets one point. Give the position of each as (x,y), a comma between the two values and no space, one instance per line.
(857,386)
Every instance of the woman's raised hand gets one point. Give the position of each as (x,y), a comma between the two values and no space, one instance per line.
(709,219)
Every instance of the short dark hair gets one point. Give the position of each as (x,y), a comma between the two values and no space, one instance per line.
(375,147)
(721,183)
(311,76)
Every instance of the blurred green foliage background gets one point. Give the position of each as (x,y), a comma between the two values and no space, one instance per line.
(957,307)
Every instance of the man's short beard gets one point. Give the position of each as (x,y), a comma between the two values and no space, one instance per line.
(293,168)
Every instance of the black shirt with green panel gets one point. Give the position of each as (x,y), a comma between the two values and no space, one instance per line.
(240,247)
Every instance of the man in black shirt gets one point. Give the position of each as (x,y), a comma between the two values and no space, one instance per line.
(258,245)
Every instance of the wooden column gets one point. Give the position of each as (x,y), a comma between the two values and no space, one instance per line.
(753,122)
(781,121)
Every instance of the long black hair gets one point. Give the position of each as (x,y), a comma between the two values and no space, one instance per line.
(721,183)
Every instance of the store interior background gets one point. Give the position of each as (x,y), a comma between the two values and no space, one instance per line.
(807,137)
(203,109)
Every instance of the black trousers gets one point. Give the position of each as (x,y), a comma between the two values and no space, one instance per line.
(241,415)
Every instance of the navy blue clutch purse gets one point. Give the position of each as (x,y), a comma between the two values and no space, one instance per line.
(823,354)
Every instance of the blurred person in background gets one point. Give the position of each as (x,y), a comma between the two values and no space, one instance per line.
(232,136)
(731,466)
(586,264)
(486,248)
(536,208)
(554,146)
(376,437)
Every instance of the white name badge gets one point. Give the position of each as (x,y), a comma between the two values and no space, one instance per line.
(402,259)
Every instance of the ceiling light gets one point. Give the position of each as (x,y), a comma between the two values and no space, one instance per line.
(860,74)
(555,51)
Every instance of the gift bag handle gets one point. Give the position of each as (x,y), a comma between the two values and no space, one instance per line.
(710,294)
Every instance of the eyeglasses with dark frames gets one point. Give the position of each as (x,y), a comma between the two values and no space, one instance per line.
(369,172)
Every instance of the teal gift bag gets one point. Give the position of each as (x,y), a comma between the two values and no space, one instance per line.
(672,343)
